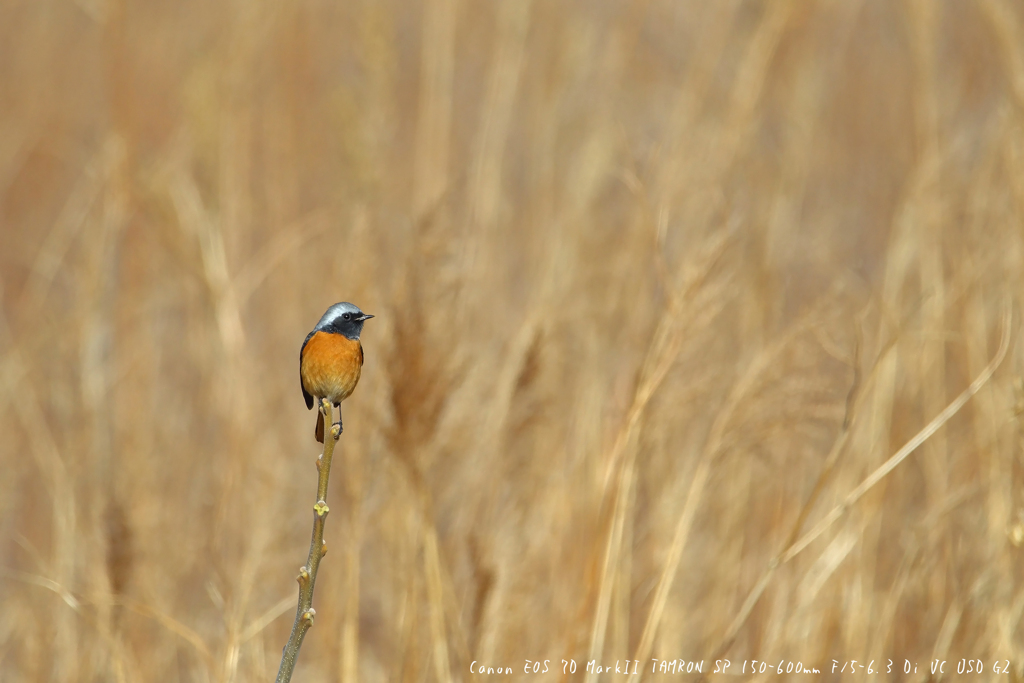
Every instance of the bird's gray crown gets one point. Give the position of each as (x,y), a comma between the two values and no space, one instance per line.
(343,318)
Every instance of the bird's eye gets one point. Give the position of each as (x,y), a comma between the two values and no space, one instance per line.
(346,316)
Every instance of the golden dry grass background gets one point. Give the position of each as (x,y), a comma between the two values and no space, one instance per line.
(634,266)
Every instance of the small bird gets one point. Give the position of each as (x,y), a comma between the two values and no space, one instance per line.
(331,359)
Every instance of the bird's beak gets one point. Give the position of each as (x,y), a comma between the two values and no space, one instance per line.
(365,316)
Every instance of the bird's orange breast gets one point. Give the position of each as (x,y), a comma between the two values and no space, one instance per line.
(331,365)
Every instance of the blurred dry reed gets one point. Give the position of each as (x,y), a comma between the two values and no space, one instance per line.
(659,284)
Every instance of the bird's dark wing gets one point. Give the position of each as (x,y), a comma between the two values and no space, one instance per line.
(360,354)
(305,394)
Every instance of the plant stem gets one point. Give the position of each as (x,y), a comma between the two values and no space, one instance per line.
(304,613)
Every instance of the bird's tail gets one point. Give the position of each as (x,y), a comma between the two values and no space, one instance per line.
(319,426)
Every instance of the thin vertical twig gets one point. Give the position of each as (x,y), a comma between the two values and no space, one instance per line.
(305,613)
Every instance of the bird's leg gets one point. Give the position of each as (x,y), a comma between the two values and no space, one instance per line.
(340,428)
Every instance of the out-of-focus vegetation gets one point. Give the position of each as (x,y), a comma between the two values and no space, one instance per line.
(634,265)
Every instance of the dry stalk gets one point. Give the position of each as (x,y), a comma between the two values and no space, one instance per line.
(795,547)
(305,613)
(908,448)
(716,438)
(661,355)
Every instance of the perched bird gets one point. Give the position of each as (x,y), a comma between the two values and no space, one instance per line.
(331,359)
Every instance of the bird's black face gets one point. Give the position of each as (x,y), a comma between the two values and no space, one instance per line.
(345,319)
